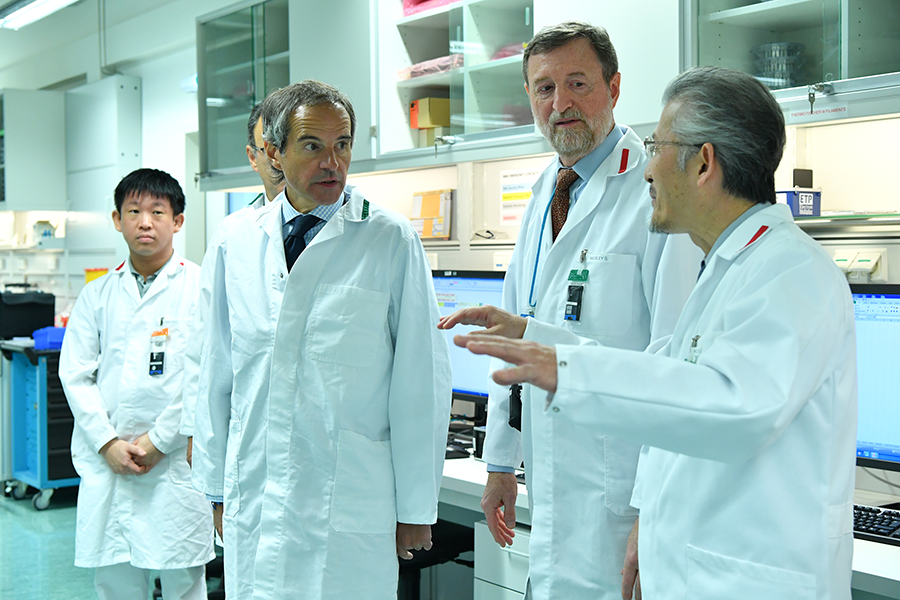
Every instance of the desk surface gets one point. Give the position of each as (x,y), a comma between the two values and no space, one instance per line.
(463,486)
(876,567)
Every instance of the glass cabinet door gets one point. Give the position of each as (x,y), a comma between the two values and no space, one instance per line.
(791,43)
(467,52)
(2,155)
(242,56)
(495,33)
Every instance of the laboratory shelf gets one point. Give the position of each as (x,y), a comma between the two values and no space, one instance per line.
(437,80)
(434,18)
(777,15)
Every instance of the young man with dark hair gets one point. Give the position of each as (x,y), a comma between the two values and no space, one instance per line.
(121,367)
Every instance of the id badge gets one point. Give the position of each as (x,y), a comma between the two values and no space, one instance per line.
(575,294)
(158,341)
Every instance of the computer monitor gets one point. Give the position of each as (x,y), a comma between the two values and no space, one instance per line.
(462,289)
(877,310)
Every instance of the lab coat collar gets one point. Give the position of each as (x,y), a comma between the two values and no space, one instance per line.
(748,233)
(169,270)
(626,157)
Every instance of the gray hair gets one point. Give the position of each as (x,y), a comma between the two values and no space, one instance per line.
(737,114)
(275,176)
(280,105)
(556,36)
(251,123)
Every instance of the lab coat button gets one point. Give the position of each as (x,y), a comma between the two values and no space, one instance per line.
(555,409)
(563,363)
(281,275)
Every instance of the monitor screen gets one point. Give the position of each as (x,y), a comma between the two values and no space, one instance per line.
(877,310)
(462,289)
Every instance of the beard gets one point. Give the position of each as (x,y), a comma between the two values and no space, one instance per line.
(576,141)
(659,225)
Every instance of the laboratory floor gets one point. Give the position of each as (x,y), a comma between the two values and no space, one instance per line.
(37,551)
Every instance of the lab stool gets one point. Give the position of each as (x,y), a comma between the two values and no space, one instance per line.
(449,540)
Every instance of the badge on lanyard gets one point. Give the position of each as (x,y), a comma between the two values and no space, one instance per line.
(575,294)
(158,341)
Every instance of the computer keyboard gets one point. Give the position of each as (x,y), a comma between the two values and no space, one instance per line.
(876,524)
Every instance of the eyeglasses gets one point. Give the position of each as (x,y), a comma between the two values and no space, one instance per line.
(651,146)
(257,148)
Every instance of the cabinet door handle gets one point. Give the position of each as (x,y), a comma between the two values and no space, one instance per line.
(509,550)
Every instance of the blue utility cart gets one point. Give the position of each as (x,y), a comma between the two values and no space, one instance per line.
(42,424)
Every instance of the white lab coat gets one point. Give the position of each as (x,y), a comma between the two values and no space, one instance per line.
(357,262)
(192,360)
(155,520)
(248,274)
(747,489)
(358,411)
(580,480)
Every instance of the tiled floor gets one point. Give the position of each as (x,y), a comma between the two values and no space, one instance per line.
(37,551)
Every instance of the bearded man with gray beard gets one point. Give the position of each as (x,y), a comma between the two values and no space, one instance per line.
(585,263)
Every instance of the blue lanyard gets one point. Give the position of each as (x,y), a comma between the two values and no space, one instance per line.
(537,258)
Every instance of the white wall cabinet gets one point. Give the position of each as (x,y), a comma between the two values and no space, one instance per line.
(32,150)
(103,144)
(338,56)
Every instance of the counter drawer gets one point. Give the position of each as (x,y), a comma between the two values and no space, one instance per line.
(506,567)
(489,591)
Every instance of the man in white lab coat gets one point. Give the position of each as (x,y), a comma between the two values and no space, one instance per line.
(632,285)
(748,411)
(121,368)
(273,183)
(325,387)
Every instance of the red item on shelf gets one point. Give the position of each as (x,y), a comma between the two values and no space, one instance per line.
(441,64)
(411,7)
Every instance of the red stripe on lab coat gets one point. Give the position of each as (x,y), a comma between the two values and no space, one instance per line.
(757,235)
(624,164)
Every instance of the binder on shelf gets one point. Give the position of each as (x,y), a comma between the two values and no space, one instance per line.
(431,214)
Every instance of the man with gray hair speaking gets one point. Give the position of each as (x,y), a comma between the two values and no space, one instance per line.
(747,412)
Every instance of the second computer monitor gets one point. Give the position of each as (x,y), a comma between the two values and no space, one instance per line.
(463,289)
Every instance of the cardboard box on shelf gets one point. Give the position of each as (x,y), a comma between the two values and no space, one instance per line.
(429,112)
(431,214)
(427,135)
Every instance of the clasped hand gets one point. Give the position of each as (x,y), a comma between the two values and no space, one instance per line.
(125,458)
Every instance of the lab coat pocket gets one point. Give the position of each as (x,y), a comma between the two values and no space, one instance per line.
(714,576)
(177,341)
(346,325)
(620,458)
(232,491)
(608,296)
(363,499)
(178,469)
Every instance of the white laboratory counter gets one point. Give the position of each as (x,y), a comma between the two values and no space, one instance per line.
(463,485)
(876,567)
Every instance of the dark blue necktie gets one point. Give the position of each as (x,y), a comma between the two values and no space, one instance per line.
(294,242)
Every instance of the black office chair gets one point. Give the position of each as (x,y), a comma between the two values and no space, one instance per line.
(449,540)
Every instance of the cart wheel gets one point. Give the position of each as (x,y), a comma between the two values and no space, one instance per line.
(19,490)
(41,500)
